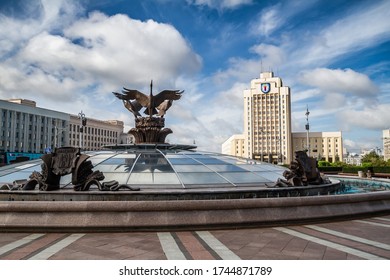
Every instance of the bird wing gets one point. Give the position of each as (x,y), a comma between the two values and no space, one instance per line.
(120,95)
(132,94)
(167,95)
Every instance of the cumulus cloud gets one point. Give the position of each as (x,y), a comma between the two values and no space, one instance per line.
(271,54)
(376,118)
(340,81)
(91,56)
(243,70)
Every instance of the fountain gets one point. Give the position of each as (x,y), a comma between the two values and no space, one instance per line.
(154,185)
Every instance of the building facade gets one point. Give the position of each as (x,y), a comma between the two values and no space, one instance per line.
(27,128)
(386,144)
(267,120)
(95,134)
(235,145)
(322,145)
(30,129)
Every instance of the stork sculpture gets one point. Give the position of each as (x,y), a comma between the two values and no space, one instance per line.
(149,129)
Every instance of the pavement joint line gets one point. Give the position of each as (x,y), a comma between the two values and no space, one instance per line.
(18,243)
(183,248)
(56,247)
(330,244)
(224,252)
(350,237)
(372,223)
(170,247)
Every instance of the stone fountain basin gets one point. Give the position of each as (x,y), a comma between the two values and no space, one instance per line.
(93,215)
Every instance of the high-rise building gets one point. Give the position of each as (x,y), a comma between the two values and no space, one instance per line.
(386,144)
(267,120)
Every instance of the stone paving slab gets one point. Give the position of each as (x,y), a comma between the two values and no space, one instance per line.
(346,240)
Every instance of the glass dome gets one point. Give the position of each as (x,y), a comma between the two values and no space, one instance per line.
(165,166)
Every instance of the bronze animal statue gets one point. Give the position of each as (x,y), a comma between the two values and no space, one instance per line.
(303,171)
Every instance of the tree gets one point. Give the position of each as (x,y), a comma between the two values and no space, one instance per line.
(373,159)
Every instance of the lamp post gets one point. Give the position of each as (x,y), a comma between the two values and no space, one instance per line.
(307,130)
(57,129)
(83,123)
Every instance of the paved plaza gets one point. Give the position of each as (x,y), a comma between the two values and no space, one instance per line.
(367,238)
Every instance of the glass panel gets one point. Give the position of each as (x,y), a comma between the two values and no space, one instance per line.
(257,167)
(243,177)
(177,161)
(152,162)
(226,167)
(119,163)
(154,178)
(120,177)
(27,166)
(191,168)
(113,168)
(14,176)
(196,178)
(35,167)
(66,179)
(271,176)
(210,160)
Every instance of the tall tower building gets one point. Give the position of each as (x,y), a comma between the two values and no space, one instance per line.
(267,120)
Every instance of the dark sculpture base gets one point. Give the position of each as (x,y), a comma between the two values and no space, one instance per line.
(149,130)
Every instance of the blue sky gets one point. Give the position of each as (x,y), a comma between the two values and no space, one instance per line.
(334,55)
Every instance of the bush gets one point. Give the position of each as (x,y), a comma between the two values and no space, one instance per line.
(381,169)
(326,169)
(322,163)
(354,169)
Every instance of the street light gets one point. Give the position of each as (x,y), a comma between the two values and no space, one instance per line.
(83,123)
(307,130)
(56,130)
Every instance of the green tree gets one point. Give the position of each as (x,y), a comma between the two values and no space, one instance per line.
(373,159)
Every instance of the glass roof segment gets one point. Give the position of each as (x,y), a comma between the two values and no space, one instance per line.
(153,168)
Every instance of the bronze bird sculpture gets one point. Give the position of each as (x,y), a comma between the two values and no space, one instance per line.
(135,100)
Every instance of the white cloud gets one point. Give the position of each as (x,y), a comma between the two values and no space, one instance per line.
(362,28)
(376,118)
(340,81)
(270,20)
(91,57)
(271,54)
(220,4)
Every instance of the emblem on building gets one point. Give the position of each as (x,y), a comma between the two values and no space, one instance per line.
(265,87)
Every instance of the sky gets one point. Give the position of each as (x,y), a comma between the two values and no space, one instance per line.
(334,55)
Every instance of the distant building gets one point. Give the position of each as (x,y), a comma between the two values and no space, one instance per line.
(27,128)
(30,129)
(96,133)
(386,144)
(267,127)
(235,145)
(267,120)
(353,159)
(323,145)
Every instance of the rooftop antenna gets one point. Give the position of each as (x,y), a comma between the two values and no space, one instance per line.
(261,66)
